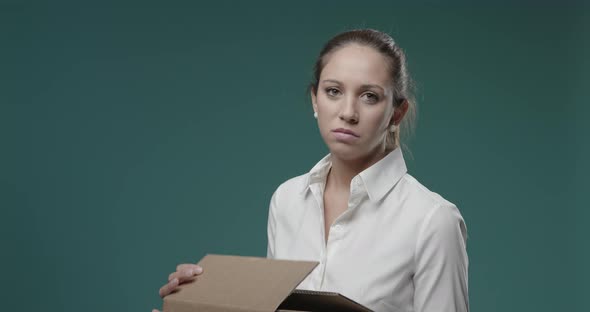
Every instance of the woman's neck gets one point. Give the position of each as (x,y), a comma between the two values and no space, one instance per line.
(343,171)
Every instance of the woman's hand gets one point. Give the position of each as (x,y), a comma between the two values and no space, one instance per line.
(184,273)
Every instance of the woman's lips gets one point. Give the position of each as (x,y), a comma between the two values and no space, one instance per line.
(345,135)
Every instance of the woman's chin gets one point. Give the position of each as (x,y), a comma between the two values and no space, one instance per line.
(345,151)
(348,152)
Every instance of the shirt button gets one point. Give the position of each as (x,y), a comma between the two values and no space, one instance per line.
(337,227)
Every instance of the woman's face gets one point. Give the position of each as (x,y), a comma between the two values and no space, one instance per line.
(354,95)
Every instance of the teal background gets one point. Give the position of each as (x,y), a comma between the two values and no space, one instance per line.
(136,137)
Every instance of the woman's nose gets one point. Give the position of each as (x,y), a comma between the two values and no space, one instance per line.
(349,112)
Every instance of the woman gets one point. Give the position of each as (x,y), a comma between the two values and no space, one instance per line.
(382,238)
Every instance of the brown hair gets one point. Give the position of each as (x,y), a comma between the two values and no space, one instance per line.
(402,83)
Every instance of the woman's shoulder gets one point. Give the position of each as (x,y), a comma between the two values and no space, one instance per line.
(292,186)
(425,203)
(289,194)
(415,188)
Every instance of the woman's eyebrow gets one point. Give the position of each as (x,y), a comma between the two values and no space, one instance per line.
(364,86)
(368,86)
(331,80)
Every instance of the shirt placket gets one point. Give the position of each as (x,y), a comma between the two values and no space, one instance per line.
(317,191)
(337,229)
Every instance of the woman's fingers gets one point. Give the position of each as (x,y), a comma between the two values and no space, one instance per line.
(185,274)
(168,288)
(186,266)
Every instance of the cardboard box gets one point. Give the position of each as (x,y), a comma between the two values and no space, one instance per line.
(234,283)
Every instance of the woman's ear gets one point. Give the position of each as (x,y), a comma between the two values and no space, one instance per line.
(399,113)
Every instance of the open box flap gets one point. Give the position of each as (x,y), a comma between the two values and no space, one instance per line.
(236,283)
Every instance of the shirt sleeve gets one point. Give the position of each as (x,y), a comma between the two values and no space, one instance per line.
(271,228)
(440,279)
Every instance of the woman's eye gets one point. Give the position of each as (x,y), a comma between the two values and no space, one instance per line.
(372,97)
(332,91)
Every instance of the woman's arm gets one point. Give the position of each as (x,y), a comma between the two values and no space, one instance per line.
(271,228)
(440,279)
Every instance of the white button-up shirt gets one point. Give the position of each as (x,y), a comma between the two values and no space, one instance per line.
(398,246)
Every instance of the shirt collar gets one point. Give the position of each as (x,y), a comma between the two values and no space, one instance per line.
(378,179)
(318,173)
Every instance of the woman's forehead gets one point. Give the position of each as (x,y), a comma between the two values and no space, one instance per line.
(357,64)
